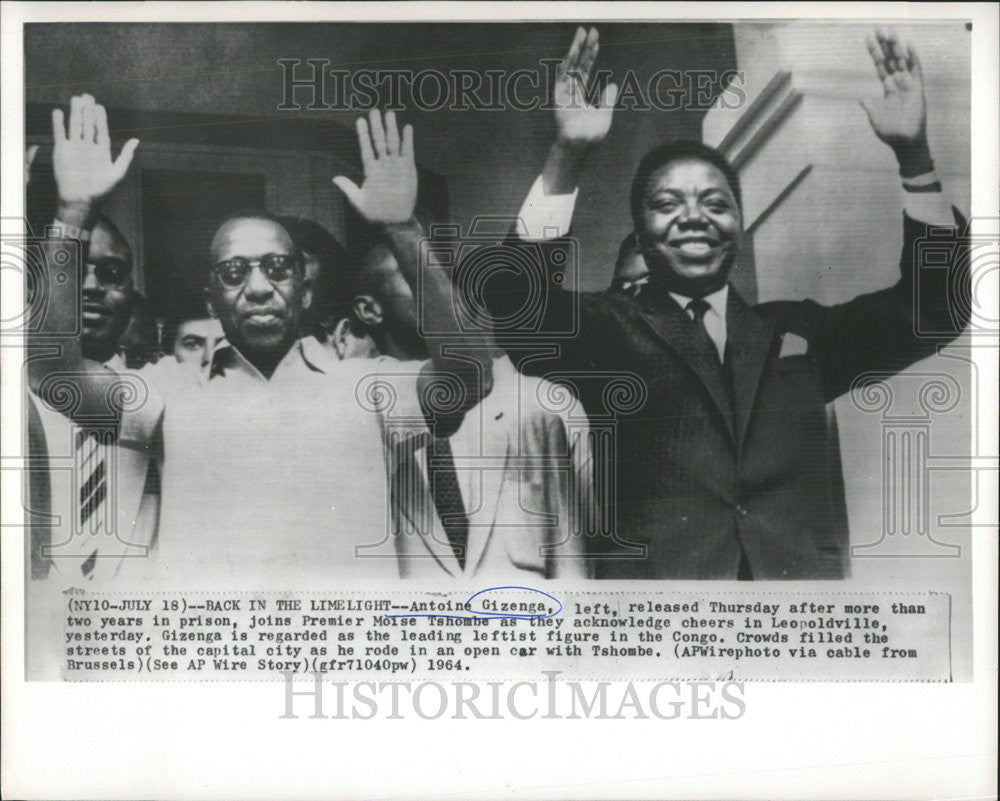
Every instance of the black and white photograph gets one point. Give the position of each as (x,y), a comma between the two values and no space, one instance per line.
(635,361)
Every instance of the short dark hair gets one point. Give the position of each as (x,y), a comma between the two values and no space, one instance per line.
(629,245)
(185,303)
(372,277)
(674,151)
(312,237)
(115,231)
(365,279)
(331,295)
(140,342)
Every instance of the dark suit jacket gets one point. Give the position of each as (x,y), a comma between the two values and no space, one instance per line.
(701,473)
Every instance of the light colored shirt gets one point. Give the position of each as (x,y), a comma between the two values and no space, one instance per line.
(715,316)
(116,363)
(270,481)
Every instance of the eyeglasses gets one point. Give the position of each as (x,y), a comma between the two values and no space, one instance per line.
(277,267)
(111,272)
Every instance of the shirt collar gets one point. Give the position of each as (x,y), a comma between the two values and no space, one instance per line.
(116,363)
(503,366)
(717,301)
(227,359)
(315,355)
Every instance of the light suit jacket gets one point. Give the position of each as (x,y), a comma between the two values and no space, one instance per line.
(128,524)
(523,462)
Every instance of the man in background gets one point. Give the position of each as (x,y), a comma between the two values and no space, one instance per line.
(140,344)
(507,496)
(111,494)
(190,333)
(328,272)
(631,273)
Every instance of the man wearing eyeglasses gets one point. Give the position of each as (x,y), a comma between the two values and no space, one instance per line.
(273,462)
(107,292)
(257,289)
(107,301)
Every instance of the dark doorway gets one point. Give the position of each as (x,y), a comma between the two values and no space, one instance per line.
(180,212)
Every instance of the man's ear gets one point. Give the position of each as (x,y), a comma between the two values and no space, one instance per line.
(208,304)
(307,295)
(339,337)
(367,310)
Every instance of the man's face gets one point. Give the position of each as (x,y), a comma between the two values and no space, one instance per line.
(107,292)
(691,225)
(259,314)
(310,268)
(196,341)
(399,307)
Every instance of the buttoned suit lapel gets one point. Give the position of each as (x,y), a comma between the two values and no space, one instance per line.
(669,322)
(748,343)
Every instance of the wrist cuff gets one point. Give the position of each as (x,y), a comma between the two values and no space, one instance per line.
(62,230)
(928,182)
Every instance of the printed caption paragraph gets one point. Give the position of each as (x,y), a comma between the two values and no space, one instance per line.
(507,633)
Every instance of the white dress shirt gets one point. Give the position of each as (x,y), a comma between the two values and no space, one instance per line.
(269,479)
(715,316)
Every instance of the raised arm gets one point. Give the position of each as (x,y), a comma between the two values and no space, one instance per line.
(884,332)
(85,174)
(547,211)
(579,125)
(387,199)
(899,116)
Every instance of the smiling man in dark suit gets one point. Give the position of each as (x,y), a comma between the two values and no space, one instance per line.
(725,471)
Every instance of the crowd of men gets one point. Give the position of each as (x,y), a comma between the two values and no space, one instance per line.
(321,413)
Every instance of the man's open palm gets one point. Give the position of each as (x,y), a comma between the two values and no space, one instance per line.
(899,117)
(577,120)
(388,193)
(81,154)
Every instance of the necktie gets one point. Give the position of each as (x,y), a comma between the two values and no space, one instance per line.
(91,469)
(447,496)
(696,311)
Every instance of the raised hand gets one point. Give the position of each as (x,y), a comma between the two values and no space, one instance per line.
(81,156)
(388,193)
(577,121)
(899,117)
